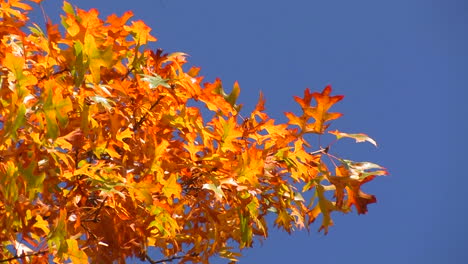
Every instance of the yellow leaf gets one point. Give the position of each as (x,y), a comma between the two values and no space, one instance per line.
(62,143)
(76,255)
(141,32)
(42,224)
(97,57)
(172,187)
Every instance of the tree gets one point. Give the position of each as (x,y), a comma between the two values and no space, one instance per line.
(109,149)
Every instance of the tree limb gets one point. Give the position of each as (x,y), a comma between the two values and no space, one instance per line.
(42,252)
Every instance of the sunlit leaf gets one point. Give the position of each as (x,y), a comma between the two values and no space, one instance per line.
(155,80)
(358,137)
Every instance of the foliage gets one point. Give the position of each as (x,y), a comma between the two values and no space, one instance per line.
(104,156)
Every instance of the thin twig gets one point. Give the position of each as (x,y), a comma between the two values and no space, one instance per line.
(54,74)
(127,73)
(89,231)
(42,252)
(140,122)
(95,219)
(321,150)
(167,259)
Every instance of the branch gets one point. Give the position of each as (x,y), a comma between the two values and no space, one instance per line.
(42,252)
(140,122)
(168,259)
(95,219)
(127,73)
(54,74)
(321,150)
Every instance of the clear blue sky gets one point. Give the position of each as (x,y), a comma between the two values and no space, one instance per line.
(403,68)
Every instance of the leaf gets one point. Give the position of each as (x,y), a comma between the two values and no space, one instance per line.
(106,102)
(97,57)
(284,219)
(16,65)
(325,207)
(319,112)
(359,198)
(358,137)
(352,186)
(79,68)
(228,254)
(56,238)
(171,188)
(55,108)
(68,8)
(34,180)
(76,255)
(246,231)
(155,80)
(227,132)
(141,32)
(18,122)
(232,97)
(362,170)
(219,194)
(42,224)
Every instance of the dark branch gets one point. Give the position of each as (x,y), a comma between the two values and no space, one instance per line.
(167,259)
(140,122)
(54,74)
(95,219)
(42,252)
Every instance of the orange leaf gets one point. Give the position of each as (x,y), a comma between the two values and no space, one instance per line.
(141,32)
(320,112)
(359,198)
(356,197)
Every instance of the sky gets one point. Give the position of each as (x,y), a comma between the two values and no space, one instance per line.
(403,68)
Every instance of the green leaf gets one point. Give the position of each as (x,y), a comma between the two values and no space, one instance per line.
(246,230)
(79,67)
(51,122)
(97,57)
(62,107)
(68,8)
(232,97)
(228,254)
(33,181)
(35,29)
(17,123)
(155,80)
(56,239)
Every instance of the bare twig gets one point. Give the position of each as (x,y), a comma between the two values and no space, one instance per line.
(167,259)
(42,252)
(54,74)
(321,150)
(140,122)
(95,219)
(127,73)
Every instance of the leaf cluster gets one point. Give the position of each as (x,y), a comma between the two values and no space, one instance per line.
(103,155)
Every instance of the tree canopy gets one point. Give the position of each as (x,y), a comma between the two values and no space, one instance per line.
(109,149)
